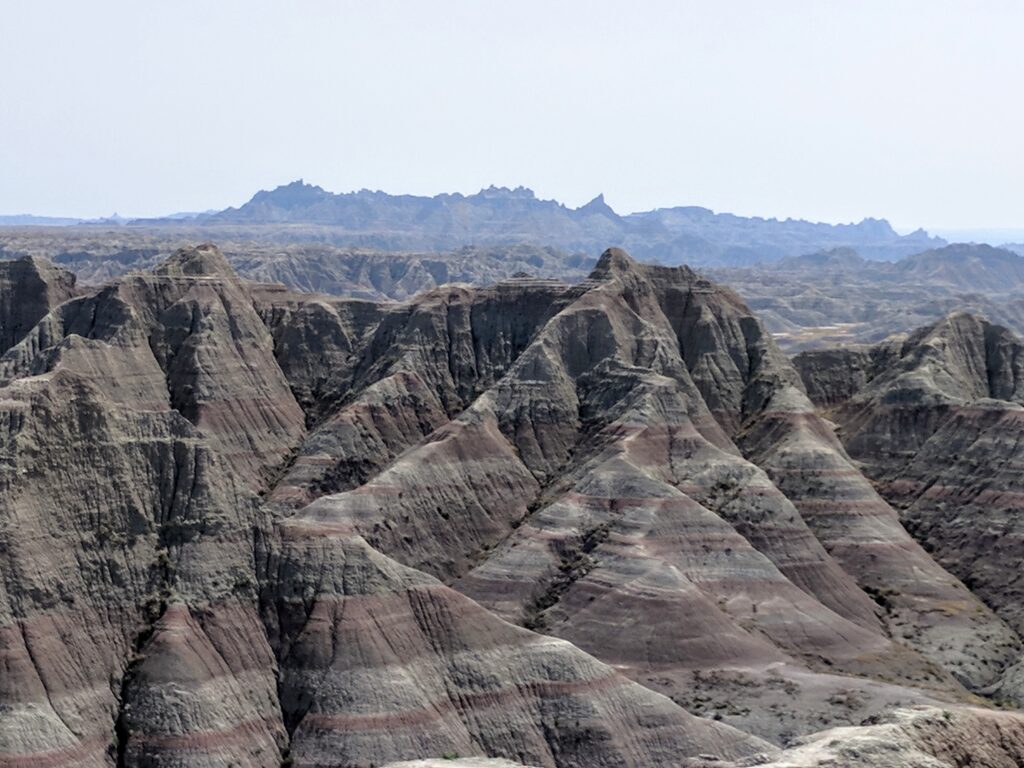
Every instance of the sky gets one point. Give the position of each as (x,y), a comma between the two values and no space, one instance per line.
(831,111)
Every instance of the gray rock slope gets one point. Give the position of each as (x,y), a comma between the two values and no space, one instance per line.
(588,525)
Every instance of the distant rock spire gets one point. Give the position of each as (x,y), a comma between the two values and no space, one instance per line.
(597,206)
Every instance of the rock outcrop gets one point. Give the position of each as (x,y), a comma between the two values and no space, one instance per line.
(565,526)
(935,422)
(533,476)
(29,289)
(914,738)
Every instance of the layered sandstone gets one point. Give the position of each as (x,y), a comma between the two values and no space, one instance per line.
(590,525)
(936,426)
(29,288)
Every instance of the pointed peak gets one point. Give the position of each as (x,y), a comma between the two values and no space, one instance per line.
(598,206)
(32,260)
(41,268)
(204,260)
(961,319)
(956,324)
(614,261)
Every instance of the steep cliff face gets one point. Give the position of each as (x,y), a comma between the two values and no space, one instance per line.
(29,289)
(833,376)
(601,429)
(375,380)
(591,525)
(186,337)
(379,661)
(153,614)
(121,498)
(936,425)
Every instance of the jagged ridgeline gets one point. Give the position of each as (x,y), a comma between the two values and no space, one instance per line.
(577,525)
(377,245)
(498,215)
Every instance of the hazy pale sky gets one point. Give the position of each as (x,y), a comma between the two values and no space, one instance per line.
(911,110)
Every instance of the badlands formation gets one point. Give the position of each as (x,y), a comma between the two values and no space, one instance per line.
(602,524)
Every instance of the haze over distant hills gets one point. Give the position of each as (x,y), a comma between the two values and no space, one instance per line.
(807,301)
(300,212)
(814,284)
(498,215)
(28,220)
(837,296)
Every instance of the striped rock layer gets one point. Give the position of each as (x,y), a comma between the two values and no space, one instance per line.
(597,525)
(935,420)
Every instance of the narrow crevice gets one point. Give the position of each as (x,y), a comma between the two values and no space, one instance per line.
(268,608)
(281,471)
(575,564)
(153,610)
(164,574)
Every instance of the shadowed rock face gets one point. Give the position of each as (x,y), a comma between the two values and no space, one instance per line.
(935,421)
(29,289)
(591,525)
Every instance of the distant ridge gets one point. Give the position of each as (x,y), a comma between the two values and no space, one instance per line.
(504,216)
(835,297)
(28,220)
(968,265)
